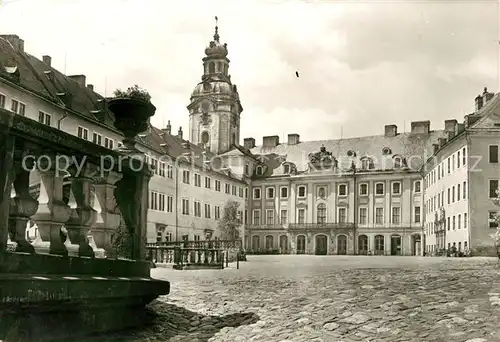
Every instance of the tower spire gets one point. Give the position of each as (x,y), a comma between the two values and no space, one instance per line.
(216,35)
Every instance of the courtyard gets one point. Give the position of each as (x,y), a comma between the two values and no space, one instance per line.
(330,298)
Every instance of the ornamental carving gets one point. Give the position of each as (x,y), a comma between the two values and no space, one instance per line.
(206,119)
(323,159)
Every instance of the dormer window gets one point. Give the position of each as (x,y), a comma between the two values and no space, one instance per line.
(259,171)
(367,164)
(351,153)
(386,151)
(397,162)
(286,168)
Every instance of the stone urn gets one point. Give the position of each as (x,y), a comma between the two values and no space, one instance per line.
(131,118)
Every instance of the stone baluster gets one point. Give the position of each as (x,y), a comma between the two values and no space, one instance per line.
(52,212)
(6,159)
(22,205)
(108,217)
(83,216)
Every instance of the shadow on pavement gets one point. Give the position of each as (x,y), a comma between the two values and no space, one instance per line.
(168,322)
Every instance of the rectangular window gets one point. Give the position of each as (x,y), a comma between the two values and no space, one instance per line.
(240,192)
(396,215)
(217,185)
(270,193)
(449,165)
(44,118)
(448,221)
(464,158)
(453,195)
(494,154)
(185,176)
(97,138)
(464,190)
(449,195)
(170,172)
(18,107)
(302,191)
(217,212)
(161,168)
(284,216)
(342,215)
(363,189)
(256,193)
(379,215)
(465,220)
(458,192)
(170,204)
(416,215)
(284,192)
(207,210)
(227,188)
(2,101)
(493,188)
(83,133)
(197,209)
(197,180)
(301,216)
(458,159)
(396,188)
(256,217)
(454,223)
(342,190)
(493,219)
(417,187)
(269,216)
(459,221)
(379,189)
(363,215)
(185,206)
(439,172)
(108,143)
(233,190)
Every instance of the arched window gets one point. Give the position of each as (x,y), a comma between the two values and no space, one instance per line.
(259,171)
(397,161)
(211,67)
(269,242)
(220,67)
(321,213)
(379,244)
(286,168)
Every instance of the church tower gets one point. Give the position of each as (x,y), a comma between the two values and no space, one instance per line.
(214,109)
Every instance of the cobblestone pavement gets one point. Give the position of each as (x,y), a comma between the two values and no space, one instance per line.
(335,298)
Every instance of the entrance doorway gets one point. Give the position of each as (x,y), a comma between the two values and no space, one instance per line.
(416,244)
(301,244)
(321,245)
(395,245)
(341,245)
(283,244)
(363,245)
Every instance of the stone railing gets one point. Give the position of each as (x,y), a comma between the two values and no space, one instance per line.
(194,254)
(85,191)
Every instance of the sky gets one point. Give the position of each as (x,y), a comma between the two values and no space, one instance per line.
(362,64)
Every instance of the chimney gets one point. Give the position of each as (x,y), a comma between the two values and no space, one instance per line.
(471,119)
(479,103)
(293,139)
(80,79)
(249,143)
(487,96)
(420,127)
(15,41)
(391,130)
(179,133)
(450,125)
(168,129)
(47,60)
(271,141)
(435,148)
(450,135)
(442,142)
(90,86)
(459,128)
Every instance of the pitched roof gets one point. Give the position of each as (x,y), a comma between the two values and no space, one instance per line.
(41,79)
(379,148)
(489,115)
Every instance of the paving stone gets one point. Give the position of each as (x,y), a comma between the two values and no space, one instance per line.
(308,298)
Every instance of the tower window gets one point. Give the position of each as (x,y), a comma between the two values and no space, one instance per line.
(220,67)
(205,137)
(211,67)
(234,139)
